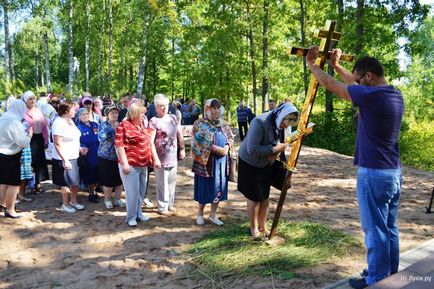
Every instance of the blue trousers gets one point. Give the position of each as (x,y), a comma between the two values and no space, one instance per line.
(378,192)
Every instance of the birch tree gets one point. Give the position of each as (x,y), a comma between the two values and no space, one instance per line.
(70,48)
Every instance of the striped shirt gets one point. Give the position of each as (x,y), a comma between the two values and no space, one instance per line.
(136,140)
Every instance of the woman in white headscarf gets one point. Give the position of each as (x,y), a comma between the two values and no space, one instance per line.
(36,119)
(256,156)
(13,139)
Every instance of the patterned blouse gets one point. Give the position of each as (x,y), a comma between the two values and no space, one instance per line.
(106,136)
(166,139)
(136,140)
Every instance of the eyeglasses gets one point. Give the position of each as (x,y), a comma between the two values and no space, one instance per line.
(88,103)
(360,78)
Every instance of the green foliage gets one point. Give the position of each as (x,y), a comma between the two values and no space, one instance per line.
(231,249)
(416,145)
(333,131)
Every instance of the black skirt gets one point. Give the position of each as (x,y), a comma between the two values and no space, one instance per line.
(39,162)
(65,178)
(108,173)
(10,169)
(254,183)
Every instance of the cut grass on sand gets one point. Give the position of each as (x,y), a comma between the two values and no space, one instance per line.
(231,251)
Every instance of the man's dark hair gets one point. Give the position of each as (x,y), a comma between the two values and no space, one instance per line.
(271,100)
(369,64)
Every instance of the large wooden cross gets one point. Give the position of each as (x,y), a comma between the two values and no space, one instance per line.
(327,36)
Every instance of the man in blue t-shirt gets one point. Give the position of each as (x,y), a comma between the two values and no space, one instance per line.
(379,177)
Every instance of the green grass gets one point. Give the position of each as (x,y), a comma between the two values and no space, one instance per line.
(230,249)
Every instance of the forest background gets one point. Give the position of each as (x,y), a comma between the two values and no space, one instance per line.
(232,50)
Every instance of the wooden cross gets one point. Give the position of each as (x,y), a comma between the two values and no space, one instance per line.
(327,35)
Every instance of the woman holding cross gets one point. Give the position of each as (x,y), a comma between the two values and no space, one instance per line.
(256,156)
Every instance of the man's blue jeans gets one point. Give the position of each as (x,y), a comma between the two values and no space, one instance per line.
(378,192)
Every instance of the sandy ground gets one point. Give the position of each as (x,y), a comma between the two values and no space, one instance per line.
(95,249)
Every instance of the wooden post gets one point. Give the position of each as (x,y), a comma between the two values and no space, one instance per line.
(327,35)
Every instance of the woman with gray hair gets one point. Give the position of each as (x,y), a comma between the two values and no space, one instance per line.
(256,156)
(168,133)
(13,139)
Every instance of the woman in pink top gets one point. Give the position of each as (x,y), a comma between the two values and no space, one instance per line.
(39,143)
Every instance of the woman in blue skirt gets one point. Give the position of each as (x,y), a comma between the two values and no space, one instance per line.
(211,143)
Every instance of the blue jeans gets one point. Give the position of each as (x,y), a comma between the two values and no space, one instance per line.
(378,192)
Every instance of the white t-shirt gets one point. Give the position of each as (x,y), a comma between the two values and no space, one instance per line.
(70,144)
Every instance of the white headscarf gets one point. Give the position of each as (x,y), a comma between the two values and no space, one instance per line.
(282,111)
(16,109)
(27,95)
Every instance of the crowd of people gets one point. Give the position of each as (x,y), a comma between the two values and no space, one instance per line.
(96,142)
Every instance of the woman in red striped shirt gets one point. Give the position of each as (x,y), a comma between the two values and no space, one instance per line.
(135,149)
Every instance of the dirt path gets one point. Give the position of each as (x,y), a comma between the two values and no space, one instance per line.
(95,249)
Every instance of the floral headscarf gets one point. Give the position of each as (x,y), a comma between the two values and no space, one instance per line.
(203,134)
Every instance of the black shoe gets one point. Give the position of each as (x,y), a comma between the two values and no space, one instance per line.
(358,283)
(93,198)
(365,273)
(8,215)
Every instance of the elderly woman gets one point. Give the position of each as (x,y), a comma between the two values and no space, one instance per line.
(256,156)
(107,159)
(66,137)
(94,113)
(168,132)
(13,139)
(135,149)
(212,140)
(88,161)
(39,143)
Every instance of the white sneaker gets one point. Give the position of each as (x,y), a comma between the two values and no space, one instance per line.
(200,220)
(132,223)
(216,221)
(67,209)
(77,206)
(143,218)
(148,203)
(119,203)
(172,209)
(108,204)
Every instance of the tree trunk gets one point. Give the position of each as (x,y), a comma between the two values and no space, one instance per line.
(358,49)
(265,53)
(8,49)
(143,59)
(359,27)
(70,49)
(329,96)
(47,62)
(109,70)
(154,76)
(36,69)
(86,47)
(101,46)
(252,57)
(172,76)
(303,44)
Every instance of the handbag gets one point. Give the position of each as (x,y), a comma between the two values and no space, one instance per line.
(232,169)
(278,174)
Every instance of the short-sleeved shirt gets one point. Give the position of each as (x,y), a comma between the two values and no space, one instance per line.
(71,138)
(166,139)
(136,140)
(380,113)
(106,136)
